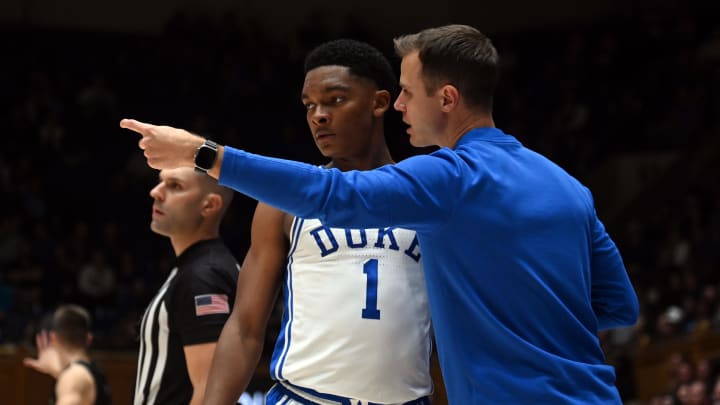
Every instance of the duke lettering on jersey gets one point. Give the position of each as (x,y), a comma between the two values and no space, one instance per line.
(327,241)
(368,288)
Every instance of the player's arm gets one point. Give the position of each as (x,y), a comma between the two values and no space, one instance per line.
(613,298)
(197,359)
(241,342)
(48,358)
(75,386)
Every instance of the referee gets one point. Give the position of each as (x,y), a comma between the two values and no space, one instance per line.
(182,323)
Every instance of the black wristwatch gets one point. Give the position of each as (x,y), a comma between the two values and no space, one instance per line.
(205,156)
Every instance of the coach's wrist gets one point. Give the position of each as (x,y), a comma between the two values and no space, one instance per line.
(214,172)
(205,156)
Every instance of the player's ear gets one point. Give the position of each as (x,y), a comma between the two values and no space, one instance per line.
(381,103)
(88,339)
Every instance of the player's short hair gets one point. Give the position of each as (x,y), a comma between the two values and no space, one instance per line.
(363,60)
(459,55)
(72,325)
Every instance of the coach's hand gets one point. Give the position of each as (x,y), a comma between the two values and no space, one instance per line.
(165,147)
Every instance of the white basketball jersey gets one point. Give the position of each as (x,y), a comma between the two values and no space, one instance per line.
(356,320)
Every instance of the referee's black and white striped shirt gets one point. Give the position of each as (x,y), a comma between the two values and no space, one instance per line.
(190,308)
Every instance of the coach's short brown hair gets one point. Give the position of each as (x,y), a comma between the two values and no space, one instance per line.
(459,55)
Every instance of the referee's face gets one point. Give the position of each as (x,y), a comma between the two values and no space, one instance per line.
(176,211)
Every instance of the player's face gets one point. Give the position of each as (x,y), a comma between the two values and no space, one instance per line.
(420,111)
(178,202)
(340,111)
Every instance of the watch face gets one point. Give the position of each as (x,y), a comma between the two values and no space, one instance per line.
(205,157)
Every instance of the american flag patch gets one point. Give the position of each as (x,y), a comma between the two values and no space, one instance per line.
(209,304)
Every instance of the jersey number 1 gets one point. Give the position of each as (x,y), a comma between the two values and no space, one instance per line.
(371,311)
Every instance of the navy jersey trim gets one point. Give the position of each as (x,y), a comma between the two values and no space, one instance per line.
(277,362)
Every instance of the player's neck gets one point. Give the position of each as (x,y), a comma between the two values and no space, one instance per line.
(381,157)
(71,356)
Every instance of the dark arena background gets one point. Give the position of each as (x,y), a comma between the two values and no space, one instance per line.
(624,95)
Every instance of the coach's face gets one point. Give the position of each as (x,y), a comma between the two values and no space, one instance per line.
(420,110)
(178,202)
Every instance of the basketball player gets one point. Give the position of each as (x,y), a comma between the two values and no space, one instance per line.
(356,324)
(63,355)
(180,328)
(521,274)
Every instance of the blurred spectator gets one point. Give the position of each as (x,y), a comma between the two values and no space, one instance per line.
(96,281)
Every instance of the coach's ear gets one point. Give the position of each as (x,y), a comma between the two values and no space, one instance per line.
(449,96)
(381,103)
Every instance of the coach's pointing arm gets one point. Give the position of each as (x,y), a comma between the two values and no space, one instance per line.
(166,147)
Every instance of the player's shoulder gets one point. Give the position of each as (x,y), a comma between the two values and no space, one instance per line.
(268,219)
(75,369)
(76,377)
(268,210)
